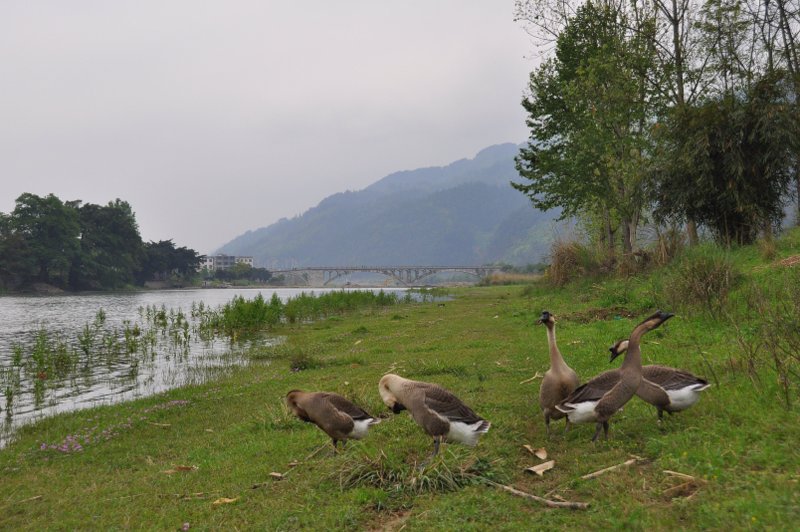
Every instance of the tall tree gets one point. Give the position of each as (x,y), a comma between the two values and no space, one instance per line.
(728,162)
(588,113)
(680,72)
(49,229)
(110,246)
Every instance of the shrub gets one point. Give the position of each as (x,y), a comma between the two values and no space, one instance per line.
(668,245)
(569,260)
(702,277)
(773,338)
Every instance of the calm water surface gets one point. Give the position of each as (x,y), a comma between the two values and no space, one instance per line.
(96,361)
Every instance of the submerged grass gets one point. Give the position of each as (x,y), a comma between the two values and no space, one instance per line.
(738,444)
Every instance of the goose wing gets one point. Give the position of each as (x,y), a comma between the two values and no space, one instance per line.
(595,389)
(347,407)
(671,378)
(449,406)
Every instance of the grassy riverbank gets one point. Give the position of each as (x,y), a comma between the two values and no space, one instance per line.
(164,461)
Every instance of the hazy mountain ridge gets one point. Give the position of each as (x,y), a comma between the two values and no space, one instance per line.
(465,213)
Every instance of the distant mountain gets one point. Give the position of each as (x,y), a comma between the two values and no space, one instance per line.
(465,213)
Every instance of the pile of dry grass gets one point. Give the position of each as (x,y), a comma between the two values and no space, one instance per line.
(568,261)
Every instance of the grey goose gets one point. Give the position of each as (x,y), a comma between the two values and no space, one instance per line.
(442,415)
(336,416)
(559,381)
(668,389)
(600,398)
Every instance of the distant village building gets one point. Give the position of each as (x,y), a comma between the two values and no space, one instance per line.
(222,262)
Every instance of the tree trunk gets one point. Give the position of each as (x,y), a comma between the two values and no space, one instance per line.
(627,247)
(691,232)
(609,236)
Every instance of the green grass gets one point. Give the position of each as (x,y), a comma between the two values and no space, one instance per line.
(739,441)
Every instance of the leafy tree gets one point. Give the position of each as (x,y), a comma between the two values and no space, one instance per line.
(17,263)
(46,231)
(589,110)
(728,163)
(110,246)
(162,260)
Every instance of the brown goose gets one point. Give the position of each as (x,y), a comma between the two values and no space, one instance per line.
(336,416)
(668,389)
(441,414)
(601,397)
(559,381)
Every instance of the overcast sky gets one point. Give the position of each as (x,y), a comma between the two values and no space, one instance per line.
(212,118)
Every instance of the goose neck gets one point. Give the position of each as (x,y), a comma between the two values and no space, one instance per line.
(556,360)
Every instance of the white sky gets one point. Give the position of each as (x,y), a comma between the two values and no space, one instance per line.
(214,117)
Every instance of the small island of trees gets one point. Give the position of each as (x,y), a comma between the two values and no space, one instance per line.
(72,245)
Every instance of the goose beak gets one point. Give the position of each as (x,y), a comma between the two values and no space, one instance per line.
(397,408)
(614,354)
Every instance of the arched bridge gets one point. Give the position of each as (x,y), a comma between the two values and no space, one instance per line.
(406,275)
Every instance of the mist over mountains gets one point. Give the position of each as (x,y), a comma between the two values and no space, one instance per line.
(465,213)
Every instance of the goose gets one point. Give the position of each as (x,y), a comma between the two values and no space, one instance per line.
(668,389)
(442,415)
(559,381)
(336,416)
(600,398)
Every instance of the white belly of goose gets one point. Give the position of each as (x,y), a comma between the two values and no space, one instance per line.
(464,433)
(361,427)
(685,397)
(582,412)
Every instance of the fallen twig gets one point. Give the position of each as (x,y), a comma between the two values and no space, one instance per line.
(34,498)
(537,376)
(607,469)
(681,475)
(547,502)
(680,487)
(125,497)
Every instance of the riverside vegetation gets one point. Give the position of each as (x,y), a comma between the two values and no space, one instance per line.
(206,456)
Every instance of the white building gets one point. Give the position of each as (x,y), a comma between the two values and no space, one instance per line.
(222,262)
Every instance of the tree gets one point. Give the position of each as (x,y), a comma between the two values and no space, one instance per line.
(669,27)
(110,246)
(589,110)
(162,259)
(47,230)
(728,163)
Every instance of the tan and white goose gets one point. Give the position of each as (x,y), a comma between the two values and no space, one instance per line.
(600,398)
(336,416)
(442,415)
(668,389)
(559,381)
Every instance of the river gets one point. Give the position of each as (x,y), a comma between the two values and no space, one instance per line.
(67,352)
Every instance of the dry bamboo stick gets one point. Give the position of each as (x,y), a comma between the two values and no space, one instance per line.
(607,469)
(547,502)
